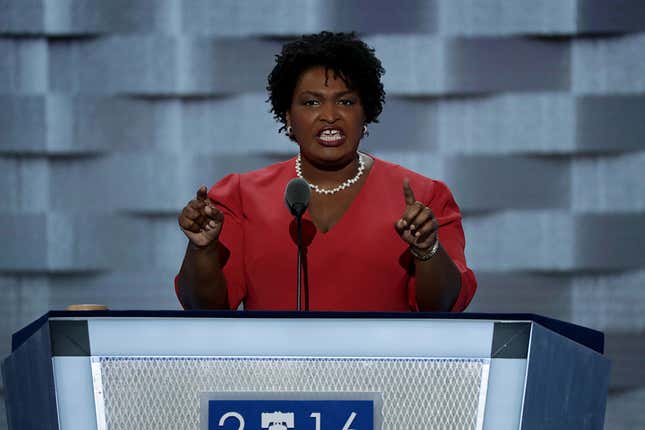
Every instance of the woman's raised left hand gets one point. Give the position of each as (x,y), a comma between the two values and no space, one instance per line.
(417,226)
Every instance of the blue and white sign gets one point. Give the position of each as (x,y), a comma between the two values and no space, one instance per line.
(291,414)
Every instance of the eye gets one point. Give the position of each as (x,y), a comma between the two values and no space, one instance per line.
(346,102)
(311,102)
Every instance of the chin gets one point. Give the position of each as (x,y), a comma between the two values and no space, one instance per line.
(334,159)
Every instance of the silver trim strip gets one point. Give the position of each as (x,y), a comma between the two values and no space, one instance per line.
(99,399)
(483,391)
(309,337)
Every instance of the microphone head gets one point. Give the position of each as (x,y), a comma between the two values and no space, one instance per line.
(296,196)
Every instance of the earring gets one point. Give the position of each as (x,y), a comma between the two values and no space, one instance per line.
(289,131)
(365,131)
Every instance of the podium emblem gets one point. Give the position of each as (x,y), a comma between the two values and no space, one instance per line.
(277,420)
(297,414)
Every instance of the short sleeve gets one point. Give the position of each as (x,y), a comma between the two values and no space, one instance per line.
(451,237)
(227,198)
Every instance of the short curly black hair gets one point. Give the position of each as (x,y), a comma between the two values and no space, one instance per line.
(343,53)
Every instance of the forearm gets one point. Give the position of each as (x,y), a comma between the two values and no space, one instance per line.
(201,282)
(438,282)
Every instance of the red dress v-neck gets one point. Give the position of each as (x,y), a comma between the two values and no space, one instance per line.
(360,264)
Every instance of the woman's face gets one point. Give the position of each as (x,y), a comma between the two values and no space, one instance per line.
(327,118)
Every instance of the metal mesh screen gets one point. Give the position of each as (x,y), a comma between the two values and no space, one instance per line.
(159,393)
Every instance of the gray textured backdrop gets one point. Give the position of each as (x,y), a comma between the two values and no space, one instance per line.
(112,113)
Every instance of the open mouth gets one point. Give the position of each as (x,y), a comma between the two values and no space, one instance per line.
(331,135)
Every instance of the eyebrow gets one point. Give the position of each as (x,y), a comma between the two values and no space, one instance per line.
(321,95)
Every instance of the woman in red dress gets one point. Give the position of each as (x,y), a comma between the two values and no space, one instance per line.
(378,237)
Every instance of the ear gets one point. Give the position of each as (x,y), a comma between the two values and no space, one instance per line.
(288,119)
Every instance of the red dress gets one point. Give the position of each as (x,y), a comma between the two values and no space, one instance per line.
(360,264)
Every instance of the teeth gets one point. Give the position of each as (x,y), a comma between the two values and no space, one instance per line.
(332,138)
(329,132)
(331,135)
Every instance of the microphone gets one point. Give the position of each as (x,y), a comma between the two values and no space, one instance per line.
(296,197)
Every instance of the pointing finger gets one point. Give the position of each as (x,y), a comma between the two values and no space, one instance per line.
(202,193)
(408,194)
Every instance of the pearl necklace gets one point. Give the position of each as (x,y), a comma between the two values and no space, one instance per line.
(346,184)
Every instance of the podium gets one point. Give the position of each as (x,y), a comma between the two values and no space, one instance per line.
(108,370)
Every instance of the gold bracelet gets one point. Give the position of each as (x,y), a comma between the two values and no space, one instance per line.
(425,257)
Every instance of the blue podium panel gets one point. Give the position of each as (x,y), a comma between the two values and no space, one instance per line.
(301,414)
(147,370)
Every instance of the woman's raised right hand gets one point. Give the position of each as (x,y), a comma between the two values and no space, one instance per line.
(200,220)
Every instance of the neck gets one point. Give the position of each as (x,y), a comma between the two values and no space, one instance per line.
(329,175)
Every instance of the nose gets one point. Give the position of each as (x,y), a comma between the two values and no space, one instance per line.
(329,112)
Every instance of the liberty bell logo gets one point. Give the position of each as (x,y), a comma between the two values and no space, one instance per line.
(277,420)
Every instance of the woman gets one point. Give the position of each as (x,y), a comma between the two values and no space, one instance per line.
(378,237)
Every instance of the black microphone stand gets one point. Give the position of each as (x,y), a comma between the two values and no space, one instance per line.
(300,252)
(297,197)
